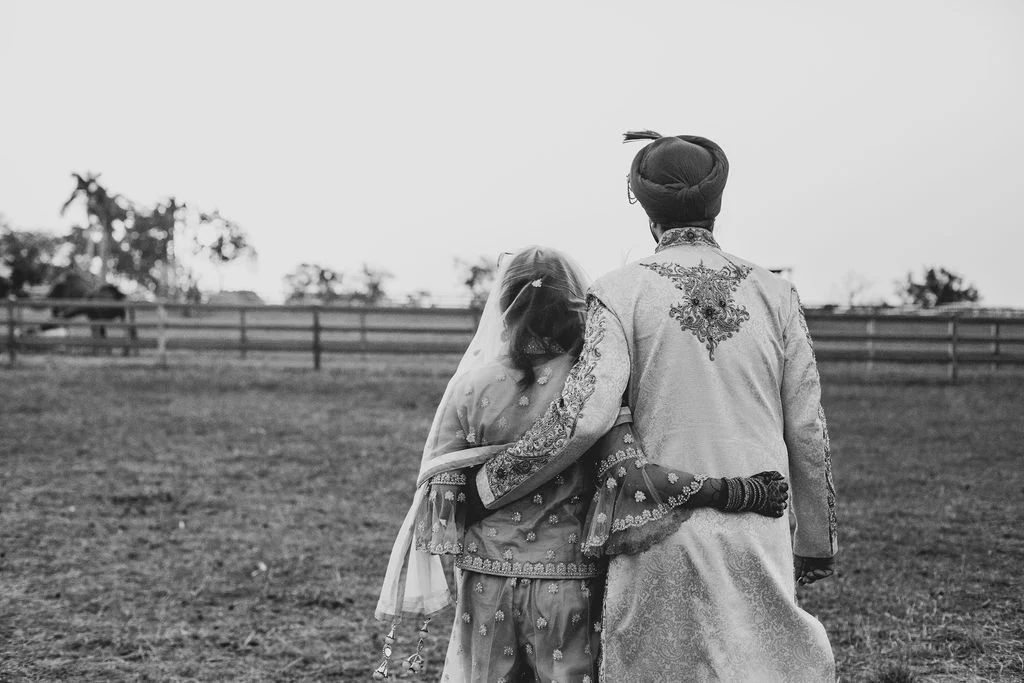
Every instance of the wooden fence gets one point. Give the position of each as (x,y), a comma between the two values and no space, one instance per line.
(317,330)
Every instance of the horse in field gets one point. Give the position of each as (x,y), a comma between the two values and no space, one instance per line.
(76,286)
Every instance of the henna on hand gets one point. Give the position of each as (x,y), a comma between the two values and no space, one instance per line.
(765,493)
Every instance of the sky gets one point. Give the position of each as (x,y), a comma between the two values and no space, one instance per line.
(865,139)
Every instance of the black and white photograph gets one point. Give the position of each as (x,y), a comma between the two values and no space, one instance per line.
(536,342)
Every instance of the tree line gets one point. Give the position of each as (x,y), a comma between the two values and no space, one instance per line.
(155,248)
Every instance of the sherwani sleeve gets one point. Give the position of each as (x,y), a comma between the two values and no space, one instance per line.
(806,436)
(584,412)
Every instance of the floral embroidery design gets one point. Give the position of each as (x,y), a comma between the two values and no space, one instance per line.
(660,510)
(708,309)
(525,570)
(688,236)
(454,478)
(618,457)
(549,435)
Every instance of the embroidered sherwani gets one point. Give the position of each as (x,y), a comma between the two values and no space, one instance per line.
(722,380)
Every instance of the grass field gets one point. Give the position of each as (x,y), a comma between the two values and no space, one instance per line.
(230,521)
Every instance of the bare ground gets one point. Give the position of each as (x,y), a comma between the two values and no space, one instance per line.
(232,521)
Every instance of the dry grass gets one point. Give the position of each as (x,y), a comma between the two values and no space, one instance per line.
(231,521)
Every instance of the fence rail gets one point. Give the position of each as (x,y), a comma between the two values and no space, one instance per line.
(318,330)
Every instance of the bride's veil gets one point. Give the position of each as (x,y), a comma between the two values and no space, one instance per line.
(414,583)
(519,275)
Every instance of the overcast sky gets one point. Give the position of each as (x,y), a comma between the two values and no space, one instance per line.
(872,137)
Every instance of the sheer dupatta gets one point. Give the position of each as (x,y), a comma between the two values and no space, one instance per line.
(414,583)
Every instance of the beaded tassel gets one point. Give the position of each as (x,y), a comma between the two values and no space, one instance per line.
(381,672)
(415,663)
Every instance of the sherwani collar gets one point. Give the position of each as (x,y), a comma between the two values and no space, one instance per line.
(689,236)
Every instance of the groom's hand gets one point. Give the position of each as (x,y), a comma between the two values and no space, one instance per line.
(807,570)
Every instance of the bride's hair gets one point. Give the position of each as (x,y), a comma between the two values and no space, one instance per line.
(543,300)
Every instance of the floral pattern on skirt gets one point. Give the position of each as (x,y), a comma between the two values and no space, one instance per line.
(512,629)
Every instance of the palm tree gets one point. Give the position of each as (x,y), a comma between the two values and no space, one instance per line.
(102,210)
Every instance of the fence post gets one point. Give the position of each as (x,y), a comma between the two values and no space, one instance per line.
(870,329)
(954,331)
(132,333)
(995,346)
(12,352)
(316,339)
(242,339)
(161,335)
(362,326)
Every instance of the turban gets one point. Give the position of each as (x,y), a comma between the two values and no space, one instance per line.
(678,180)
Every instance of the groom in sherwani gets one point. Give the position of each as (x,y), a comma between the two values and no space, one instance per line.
(714,356)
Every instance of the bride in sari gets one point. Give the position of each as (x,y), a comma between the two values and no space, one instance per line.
(529,575)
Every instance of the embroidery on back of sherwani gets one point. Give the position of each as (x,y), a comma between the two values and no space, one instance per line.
(550,433)
(707,309)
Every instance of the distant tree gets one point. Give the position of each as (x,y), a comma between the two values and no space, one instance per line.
(312,281)
(478,277)
(371,286)
(28,257)
(106,213)
(221,240)
(138,244)
(939,286)
(421,298)
(139,252)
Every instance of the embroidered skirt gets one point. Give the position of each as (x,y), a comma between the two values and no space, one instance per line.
(510,630)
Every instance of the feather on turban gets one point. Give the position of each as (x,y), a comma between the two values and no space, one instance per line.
(678,180)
